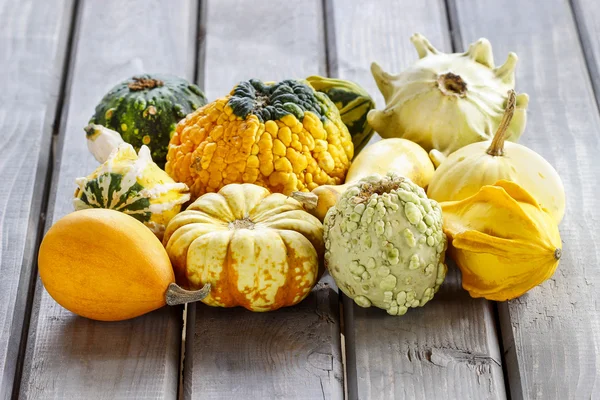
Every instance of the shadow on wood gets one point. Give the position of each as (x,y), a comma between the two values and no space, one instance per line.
(291,353)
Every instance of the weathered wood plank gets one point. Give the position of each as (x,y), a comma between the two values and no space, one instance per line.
(449,348)
(587,18)
(552,334)
(292,353)
(269,40)
(72,357)
(33,39)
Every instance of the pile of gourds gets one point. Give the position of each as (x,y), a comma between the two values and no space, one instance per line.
(249,199)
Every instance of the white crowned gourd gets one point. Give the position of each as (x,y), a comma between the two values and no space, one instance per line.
(446,101)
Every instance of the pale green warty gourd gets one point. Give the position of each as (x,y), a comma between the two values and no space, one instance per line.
(385,245)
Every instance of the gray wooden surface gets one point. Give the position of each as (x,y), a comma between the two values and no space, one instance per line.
(69,356)
(449,348)
(33,43)
(587,18)
(544,345)
(292,353)
(552,334)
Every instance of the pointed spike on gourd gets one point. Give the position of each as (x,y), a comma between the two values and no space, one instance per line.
(81,182)
(422,45)
(383,80)
(522,100)
(506,72)
(378,120)
(144,153)
(481,52)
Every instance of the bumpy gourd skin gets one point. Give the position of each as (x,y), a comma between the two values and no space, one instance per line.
(283,136)
(384,244)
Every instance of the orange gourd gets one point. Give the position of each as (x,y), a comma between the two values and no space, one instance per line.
(106,265)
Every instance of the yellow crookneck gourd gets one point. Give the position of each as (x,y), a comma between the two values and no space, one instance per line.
(400,156)
(501,239)
(465,171)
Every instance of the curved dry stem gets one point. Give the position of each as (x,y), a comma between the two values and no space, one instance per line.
(176,295)
(497,146)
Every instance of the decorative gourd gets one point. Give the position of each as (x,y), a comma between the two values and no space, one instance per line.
(385,245)
(258,250)
(401,156)
(502,240)
(353,102)
(446,101)
(133,184)
(105,265)
(465,171)
(283,136)
(145,109)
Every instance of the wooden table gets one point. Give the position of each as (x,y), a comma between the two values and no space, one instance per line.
(58,57)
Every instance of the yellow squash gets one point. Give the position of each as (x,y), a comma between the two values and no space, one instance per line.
(503,242)
(258,250)
(466,170)
(401,156)
(105,265)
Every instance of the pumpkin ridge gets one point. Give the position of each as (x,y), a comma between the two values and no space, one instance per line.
(295,261)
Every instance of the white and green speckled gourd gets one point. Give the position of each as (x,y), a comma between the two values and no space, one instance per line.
(133,184)
(384,244)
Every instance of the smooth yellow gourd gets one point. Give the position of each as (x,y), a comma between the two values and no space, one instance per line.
(401,156)
(466,170)
(106,265)
(501,239)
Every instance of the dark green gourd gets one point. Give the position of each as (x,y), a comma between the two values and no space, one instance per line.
(353,102)
(146,108)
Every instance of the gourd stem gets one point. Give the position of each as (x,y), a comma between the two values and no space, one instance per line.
(497,146)
(452,84)
(177,295)
(144,83)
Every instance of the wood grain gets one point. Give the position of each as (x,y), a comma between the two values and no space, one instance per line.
(292,353)
(267,39)
(587,18)
(33,39)
(72,357)
(552,334)
(449,348)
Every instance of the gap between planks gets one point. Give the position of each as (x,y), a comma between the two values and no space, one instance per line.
(47,168)
(457,46)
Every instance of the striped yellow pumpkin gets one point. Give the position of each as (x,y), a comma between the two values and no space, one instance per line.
(258,250)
